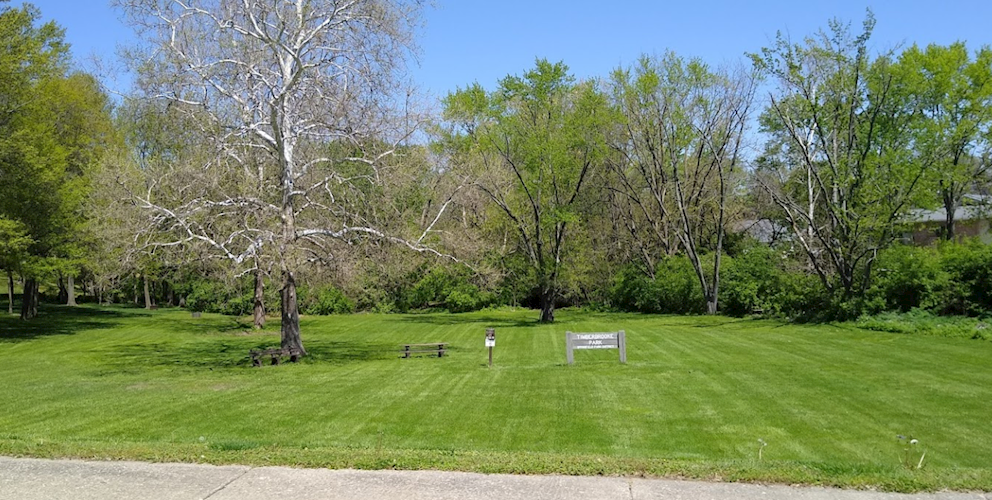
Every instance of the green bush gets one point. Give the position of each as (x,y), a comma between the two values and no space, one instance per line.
(799,295)
(217,297)
(464,298)
(238,304)
(324,301)
(750,281)
(674,290)
(201,296)
(445,288)
(909,277)
(516,285)
(969,269)
(432,290)
(679,287)
(633,291)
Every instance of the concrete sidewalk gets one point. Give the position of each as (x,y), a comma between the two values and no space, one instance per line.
(32,479)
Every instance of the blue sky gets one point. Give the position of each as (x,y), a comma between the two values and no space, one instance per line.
(469,40)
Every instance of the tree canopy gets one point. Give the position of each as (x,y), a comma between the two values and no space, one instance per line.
(536,140)
(54,124)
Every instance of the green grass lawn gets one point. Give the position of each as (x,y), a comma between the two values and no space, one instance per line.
(694,399)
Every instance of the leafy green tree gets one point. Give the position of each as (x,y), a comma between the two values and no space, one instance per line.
(53,125)
(838,164)
(14,243)
(32,56)
(533,143)
(950,95)
(678,155)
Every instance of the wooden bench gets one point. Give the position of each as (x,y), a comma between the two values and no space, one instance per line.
(432,348)
(275,354)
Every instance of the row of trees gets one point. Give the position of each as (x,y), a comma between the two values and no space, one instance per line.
(855,142)
(279,141)
(55,125)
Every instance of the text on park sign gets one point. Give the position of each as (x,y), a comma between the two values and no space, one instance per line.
(604,340)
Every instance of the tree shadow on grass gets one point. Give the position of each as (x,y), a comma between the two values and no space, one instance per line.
(56,320)
(219,325)
(482,321)
(338,352)
(710,321)
(231,353)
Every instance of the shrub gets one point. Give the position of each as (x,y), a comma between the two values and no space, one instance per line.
(432,289)
(969,270)
(909,277)
(674,290)
(447,289)
(679,287)
(750,281)
(217,297)
(633,291)
(463,298)
(799,295)
(201,296)
(237,304)
(324,301)
(516,283)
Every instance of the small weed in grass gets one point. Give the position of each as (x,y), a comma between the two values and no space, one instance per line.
(912,453)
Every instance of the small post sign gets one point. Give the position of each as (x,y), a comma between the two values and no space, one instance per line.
(490,343)
(599,340)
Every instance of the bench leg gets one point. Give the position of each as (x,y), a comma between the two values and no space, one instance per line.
(275,360)
(256,362)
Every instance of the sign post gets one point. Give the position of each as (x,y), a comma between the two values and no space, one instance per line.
(490,343)
(604,340)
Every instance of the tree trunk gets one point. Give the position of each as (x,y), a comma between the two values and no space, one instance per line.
(290,315)
(949,207)
(63,294)
(10,293)
(148,294)
(711,304)
(259,301)
(548,305)
(71,291)
(29,300)
(713,294)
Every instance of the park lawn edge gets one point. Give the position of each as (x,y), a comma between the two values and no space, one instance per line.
(846,476)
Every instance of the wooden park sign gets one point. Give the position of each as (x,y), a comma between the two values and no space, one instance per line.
(603,340)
